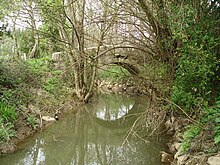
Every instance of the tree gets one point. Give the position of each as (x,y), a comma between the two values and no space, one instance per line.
(150,30)
(29,9)
(75,23)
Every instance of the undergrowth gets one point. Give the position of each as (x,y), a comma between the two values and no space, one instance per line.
(8,116)
(212,117)
(22,83)
(208,128)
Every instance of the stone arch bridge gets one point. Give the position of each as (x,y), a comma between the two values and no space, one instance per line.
(126,56)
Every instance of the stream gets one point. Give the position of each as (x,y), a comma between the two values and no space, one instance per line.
(95,135)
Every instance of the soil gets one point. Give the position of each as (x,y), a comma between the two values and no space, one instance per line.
(24,130)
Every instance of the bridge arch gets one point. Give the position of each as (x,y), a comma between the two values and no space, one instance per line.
(133,70)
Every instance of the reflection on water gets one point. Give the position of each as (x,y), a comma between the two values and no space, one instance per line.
(92,136)
(111,107)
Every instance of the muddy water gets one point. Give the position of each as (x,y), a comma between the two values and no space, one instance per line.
(95,135)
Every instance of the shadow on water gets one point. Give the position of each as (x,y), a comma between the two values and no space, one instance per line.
(92,136)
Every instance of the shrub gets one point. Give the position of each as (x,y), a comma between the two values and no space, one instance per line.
(194,76)
(55,85)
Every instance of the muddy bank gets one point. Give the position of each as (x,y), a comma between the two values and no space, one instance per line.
(47,110)
(125,88)
(44,119)
(195,155)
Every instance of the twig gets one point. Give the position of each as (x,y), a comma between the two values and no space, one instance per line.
(157,126)
(146,141)
(191,119)
(131,129)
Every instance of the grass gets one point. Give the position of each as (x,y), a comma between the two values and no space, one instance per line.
(8,116)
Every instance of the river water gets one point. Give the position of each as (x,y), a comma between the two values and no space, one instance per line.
(94,135)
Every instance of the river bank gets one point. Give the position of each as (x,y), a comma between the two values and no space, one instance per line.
(175,125)
(171,122)
(33,118)
(95,134)
(45,116)
(196,154)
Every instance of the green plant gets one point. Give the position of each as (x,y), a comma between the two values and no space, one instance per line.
(6,130)
(31,119)
(20,79)
(25,40)
(55,85)
(198,64)
(193,81)
(52,85)
(156,70)
(212,117)
(210,130)
(189,135)
(39,66)
(217,131)
(7,112)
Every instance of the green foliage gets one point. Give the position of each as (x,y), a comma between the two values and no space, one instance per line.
(48,43)
(114,73)
(49,30)
(189,135)
(211,126)
(16,72)
(198,63)
(7,112)
(54,85)
(5,79)
(8,116)
(212,117)
(20,79)
(7,48)
(193,82)
(31,119)
(6,131)
(39,66)
(7,7)
(155,71)
(16,79)
(4,29)
(217,132)
(25,40)
(12,96)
